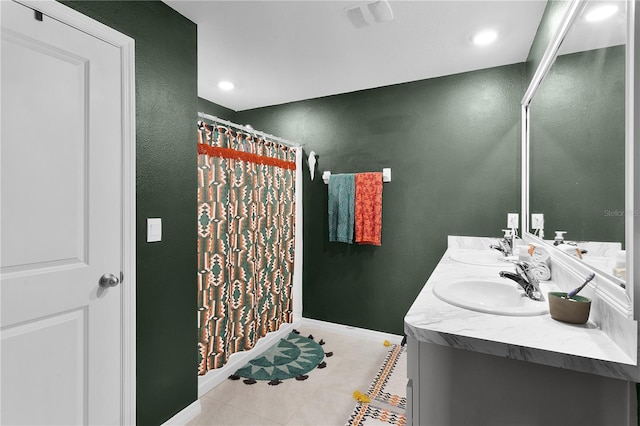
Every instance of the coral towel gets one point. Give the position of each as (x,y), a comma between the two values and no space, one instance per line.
(368,208)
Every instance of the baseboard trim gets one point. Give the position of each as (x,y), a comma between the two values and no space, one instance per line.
(354,331)
(186,415)
(214,377)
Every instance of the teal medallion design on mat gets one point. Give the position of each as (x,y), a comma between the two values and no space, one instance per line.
(292,356)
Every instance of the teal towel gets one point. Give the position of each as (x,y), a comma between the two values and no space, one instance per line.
(342,196)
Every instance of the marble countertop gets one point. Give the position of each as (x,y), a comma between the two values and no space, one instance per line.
(538,339)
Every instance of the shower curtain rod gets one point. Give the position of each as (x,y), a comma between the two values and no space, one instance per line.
(248,129)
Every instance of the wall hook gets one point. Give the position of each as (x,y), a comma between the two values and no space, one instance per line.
(312,164)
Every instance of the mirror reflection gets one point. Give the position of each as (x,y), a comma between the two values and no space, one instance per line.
(577,139)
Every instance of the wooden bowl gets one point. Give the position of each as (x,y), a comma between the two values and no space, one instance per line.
(575,310)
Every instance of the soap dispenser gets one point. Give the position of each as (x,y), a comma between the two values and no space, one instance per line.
(559,238)
(510,237)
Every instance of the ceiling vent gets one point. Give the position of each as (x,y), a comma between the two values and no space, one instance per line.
(365,14)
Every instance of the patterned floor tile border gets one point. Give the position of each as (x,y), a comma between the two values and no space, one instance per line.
(388,388)
(368,415)
(390,383)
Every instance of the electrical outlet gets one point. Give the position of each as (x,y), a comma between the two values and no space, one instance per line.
(537,221)
(512,220)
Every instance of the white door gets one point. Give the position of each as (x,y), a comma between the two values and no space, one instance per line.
(61,219)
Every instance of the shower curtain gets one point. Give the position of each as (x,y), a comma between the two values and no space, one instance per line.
(246,229)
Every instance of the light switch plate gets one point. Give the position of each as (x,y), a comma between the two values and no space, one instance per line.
(512,220)
(537,221)
(154,230)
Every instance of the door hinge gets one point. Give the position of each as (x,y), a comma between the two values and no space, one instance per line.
(38,15)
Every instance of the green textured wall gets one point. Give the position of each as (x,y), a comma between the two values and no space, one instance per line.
(578,146)
(166,107)
(453,146)
(216,110)
(551,18)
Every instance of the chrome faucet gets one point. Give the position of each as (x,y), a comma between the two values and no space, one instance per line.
(525,279)
(505,246)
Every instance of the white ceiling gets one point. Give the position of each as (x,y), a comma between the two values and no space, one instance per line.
(283,51)
(585,35)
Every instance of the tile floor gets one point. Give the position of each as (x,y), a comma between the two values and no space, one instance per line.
(324,399)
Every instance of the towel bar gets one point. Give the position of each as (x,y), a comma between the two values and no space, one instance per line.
(386,175)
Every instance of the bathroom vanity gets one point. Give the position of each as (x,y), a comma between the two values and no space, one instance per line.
(467,367)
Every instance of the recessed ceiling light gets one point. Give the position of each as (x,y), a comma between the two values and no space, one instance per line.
(484,37)
(226,85)
(601,13)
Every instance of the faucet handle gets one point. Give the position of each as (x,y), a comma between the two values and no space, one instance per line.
(522,265)
(497,247)
(525,269)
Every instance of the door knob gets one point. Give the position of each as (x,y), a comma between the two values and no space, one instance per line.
(109,280)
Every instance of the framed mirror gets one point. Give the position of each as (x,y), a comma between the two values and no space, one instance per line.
(575,141)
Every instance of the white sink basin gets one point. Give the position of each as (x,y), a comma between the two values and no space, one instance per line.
(502,297)
(479,257)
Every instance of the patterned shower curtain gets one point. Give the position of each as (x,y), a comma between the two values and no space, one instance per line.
(246,229)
